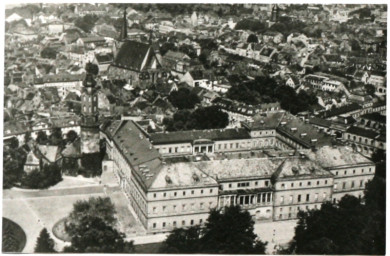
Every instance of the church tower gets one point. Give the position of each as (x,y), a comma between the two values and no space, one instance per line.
(275,14)
(123,34)
(89,133)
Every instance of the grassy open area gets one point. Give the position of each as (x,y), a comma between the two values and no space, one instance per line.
(13,237)
(147,248)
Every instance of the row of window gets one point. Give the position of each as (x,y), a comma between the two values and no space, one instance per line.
(354,171)
(300,198)
(300,184)
(293,214)
(175,224)
(350,185)
(184,193)
(89,99)
(184,207)
(245,184)
(263,133)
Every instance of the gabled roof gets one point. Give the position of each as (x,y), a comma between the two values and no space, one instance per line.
(181,175)
(298,168)
(133,55)
(136,149)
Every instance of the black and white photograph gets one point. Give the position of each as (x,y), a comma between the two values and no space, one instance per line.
(194,128)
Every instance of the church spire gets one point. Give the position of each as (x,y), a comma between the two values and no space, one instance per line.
(123,35)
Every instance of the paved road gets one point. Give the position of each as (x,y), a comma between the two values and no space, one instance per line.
(18,194)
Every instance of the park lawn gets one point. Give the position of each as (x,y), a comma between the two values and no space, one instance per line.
(147,248)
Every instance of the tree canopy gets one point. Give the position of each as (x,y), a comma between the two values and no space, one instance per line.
(40,179)
(49,53)
(91,228)
(251,24)
(252,38)
(91,68)
(202,118)
(86,23)
(266,90)
(93,235)
(225,232)
(183,98)
(100,207)
(348,227)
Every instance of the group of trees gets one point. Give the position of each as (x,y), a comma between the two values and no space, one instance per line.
(229,231)
(252,25)
(91,228)
(86,23)
(40,179)
(49,53)
(184,98)
(202,118)
(13,162)
(266,90)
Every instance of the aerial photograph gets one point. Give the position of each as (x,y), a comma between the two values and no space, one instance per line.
(202,128)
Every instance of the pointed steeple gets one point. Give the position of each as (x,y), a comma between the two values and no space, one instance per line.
(123,35)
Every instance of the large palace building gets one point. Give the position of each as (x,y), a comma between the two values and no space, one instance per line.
(273,167)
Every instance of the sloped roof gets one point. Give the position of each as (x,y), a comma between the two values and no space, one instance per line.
(298,168)
(181,175)
(330,157)
(132,54)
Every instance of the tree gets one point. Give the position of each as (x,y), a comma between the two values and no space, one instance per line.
(183,98)
(93,235)
(56,137)
(228,232)
(252,38)
(99,207)
(231,232)
(86,23)
(91,164)
(168,46)
(202,118)
(49,53)
(45,244)
(348,227)
(71,136)
(13,143)
(40,179)
(91,68)
(42,138)
(182,240)
(251,24)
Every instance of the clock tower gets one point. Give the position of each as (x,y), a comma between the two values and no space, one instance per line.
(89,134)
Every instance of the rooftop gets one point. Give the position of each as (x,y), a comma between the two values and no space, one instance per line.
(298,168)
(181,175)
(333,157)
(234,169)
(190,136)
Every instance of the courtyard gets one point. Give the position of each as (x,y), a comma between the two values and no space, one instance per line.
(34,210)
